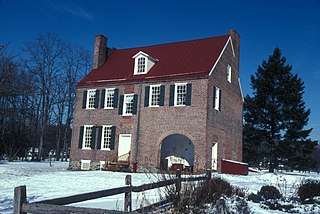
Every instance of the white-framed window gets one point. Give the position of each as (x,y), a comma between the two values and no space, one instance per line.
(180,94)
(106,138)
(217,98)
(127,104)
(141,65)
(87,137)
(91,97)
(154,98)
(229,73)
(109,98)
(85,164)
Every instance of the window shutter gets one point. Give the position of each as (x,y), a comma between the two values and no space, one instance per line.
(99,137)
(171,98)
(135,104)
(113,137)
(96,99)
(84,99)
(220,100)
(214,97)
(103,95)
(189,93)
(115,98)
(121,105)
(81,136)
(93,138)
(162,92)
(146,96)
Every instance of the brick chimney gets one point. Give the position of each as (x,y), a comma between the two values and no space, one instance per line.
(100,51)
(236,44)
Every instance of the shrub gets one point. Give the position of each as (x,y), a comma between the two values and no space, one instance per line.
(269,192)
(308,189)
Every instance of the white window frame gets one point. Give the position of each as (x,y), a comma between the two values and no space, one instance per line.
(229,73)
(217,99)
(88,98)
(151,93)
(85,162)
(103,136)
(84,137)
(106,98)
(148,62)
(125,105)
(176,93)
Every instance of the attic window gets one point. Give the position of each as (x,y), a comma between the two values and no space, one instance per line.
(143,63)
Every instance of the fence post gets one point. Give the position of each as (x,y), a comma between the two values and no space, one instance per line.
(178,185)
(127,195)
(208,175)
(20,197)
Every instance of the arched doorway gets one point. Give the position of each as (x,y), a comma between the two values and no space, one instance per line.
(177,151)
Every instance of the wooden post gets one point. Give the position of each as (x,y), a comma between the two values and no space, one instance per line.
(208,175)
(127,195)
(20,197)
(178,185)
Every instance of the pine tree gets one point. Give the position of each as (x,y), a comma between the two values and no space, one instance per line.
(275,117)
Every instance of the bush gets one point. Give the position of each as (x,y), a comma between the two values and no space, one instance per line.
(308,189)
(269,192)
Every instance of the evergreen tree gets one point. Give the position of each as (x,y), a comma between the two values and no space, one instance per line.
(275,117)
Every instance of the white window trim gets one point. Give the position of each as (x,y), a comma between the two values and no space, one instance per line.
(84,137)
(87,101)
(124,105)
(150,95)
(85,162)
(229,73)
(136,65)
(175,93)
(105,98)
(217,99)
(102,137)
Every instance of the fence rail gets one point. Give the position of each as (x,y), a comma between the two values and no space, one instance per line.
(52,206)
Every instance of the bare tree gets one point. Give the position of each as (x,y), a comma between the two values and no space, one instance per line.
(44,63)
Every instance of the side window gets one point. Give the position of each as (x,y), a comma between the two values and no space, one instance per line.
(217,98)
(229,73)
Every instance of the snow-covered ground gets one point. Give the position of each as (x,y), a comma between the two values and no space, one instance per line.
(45,182)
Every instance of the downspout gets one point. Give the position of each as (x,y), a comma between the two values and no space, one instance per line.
(135,159)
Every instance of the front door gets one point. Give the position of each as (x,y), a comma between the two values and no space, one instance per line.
(214,161)
(124,147)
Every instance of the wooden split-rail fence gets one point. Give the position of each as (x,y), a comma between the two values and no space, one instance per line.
(55,206)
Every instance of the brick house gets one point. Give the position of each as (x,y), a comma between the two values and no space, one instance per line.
(162,106)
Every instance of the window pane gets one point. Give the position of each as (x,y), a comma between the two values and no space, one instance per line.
(91,99)
(106,137)
(87,137)
(181,93)
(109,98)
(155,95)
(141,65)
(128,103)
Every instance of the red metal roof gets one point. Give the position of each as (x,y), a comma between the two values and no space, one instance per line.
(193,58)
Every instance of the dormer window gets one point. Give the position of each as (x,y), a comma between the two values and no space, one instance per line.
(143,63)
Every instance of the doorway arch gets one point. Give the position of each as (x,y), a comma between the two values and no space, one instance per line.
(177,151)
